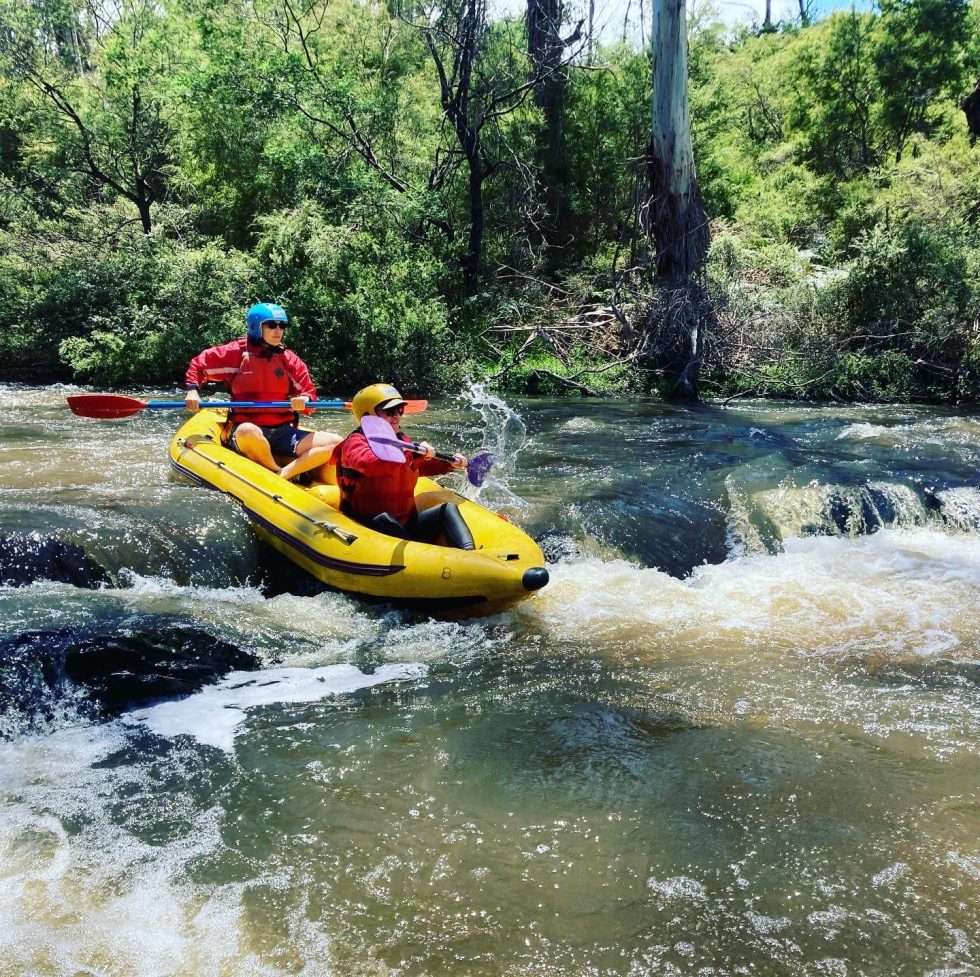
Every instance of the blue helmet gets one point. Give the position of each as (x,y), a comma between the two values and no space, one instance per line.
(263,312)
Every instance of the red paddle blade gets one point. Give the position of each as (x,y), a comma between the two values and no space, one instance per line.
(105,405)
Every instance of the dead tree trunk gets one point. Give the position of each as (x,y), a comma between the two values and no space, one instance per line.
(546,50)
(971,109)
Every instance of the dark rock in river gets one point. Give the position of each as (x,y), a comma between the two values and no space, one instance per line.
(104,672)
(24,559)
(279,575)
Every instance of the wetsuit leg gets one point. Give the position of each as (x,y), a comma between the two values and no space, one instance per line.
(445,519)
(457,532)
(389,525)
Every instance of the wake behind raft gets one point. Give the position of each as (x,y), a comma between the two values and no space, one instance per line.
(305,524)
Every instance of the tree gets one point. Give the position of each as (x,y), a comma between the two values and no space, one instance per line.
(96,77)
(343,78)
(917,56)
(676,221)
(546,48)
(482,79)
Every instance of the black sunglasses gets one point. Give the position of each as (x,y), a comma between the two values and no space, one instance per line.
(391,411)
(270,324)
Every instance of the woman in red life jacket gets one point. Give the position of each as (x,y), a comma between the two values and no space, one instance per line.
(382,493)
(259,367)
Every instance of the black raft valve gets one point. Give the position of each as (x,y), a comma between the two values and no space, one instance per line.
(534,578)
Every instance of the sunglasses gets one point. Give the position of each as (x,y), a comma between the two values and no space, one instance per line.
(391,411)
(274,325)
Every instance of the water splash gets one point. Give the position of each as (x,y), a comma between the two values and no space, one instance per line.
(505,430)
(505,434)
(960,508)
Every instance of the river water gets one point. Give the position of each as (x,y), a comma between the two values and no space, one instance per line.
(738,733)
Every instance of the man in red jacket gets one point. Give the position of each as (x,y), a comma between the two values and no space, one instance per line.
(259,367)
(382,493)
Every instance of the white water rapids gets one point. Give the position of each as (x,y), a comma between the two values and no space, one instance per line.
(765,762)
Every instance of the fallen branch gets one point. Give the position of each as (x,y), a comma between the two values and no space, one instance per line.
(574,384)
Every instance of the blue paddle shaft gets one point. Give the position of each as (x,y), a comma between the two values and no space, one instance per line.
(223,404)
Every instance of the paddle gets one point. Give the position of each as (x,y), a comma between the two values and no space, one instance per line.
(387,447)
(109,406)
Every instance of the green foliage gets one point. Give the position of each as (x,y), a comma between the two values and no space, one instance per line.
(607,127)
(541,374)
(908,299)
(918,59)
(307,154)
(364,298)
(93,98)
(136,312)
(887,376)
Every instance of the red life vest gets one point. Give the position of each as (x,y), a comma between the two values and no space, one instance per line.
(369,486)
(254,371)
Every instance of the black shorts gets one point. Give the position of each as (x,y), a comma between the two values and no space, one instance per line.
(283,438)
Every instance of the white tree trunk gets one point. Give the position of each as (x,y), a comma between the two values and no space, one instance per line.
(676,221)
(677,225)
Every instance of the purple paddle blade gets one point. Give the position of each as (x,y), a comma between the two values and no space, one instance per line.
(382,440)
(478,467)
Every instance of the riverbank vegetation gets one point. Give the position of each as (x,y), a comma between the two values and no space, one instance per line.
(435,193)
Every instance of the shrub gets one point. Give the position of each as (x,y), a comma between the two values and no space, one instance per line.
(116,306)
(907,287)
(365,301)
(172,302)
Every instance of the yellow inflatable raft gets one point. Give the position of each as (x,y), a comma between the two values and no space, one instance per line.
(305,524)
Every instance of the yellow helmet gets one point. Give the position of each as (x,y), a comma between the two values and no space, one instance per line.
(368,400)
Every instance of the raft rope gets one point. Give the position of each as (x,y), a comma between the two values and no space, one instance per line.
(341,534)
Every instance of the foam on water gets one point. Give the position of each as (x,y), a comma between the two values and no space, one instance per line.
(956,436)
(960,507)
(912,591)
(17,396)
(82,893)
(679,889)
(584,425)
(863,431)
(214,715)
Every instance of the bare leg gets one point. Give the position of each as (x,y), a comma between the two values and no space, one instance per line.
(312,452)
(252,444)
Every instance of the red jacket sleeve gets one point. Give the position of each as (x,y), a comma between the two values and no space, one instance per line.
(218,364)
(299,376)
(432,466)
(359,456)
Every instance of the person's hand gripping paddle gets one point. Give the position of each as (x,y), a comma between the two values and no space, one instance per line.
(387,447)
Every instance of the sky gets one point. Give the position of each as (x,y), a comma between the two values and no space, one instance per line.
(615,19)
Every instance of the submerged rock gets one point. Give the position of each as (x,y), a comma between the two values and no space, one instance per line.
(558,547)
(24,559)
(104,672)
